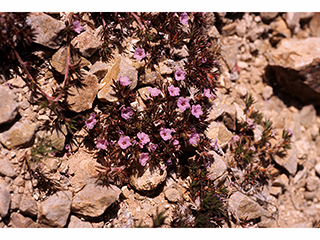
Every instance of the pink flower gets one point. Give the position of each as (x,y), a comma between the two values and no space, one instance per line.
(251,123)
(179,74)
(206,93)
(173,91)
(144,157)
(91,121)
(124,142)
(175,142)
(154,91)
(144,138)
(194,137)
(77,27)
(102,144)
(215,145)
(196,110)
(183,103)
(234,139)
(152,147)
(124,81)
(139,54)
(126,113)
(165,133)
(204,60)
(184,18)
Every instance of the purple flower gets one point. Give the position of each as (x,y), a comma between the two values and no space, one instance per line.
(183,103)
(77,27)
(169,161)
(179,74)
(204,60)
(175,142)
(124,81)
(152,147)
(144,157)
(165,133)
(91,121)
(139,54)
(234,139)
(102,144)
(194,137)
(184,18)
(124,142)
(290,132)
(173,91)
(206,93)
(144,138)
(154,91)
(126,113)
(196,110)
(215,145)
(251,124)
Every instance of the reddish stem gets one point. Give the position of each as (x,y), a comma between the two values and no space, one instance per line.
(139,21)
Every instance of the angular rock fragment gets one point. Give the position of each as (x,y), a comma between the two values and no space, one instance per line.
(121,68)
(55,210)
(77,223)
(6,168)
(94,199)
(8,105)
(28,206)
(295,65)
(17,220)
(21,134)
(5,199)
(47,29)
(81,97)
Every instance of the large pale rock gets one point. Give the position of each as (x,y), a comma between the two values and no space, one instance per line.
(94,199)
(6,168)
(55,210)
(28,206)
(217,130)
(8,105)
(121,68)
(83,168)
(288,159)
(77,223)
(5,199)
(308,115)
(21,134)
(87,43)
(217,168)
(229,54)
(146,179)
(99,69)
(244,207)
(81,98)
(295,64)
(59,60)
(46,29)
(17,220)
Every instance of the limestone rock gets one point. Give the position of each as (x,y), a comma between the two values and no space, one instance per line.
(21,134)
(5,199)
(81,98)
(146,179)
(308,115)
(288,159)
(312,183)
(6,168)
(295,63)
(17,82)
(315,25)
(244,207)
(121,68)
(8,105)
(217,168)
(94,199)
(46,29)
(87,43)
(77,223)
(19,221)
(229,53)
(281,181)
(59,60)
(82,167)
(292,19)
(218,131)
(55,210)
(99,69)
(268,16)
(28,206)
(172,194)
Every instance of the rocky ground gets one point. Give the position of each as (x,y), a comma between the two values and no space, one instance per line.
(273,56)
